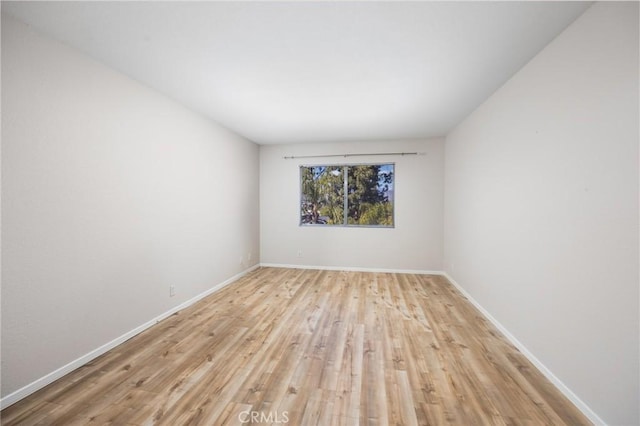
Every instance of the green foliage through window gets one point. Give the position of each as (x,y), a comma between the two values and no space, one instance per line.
(352,195)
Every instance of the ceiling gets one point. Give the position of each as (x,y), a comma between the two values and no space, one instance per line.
(293,72)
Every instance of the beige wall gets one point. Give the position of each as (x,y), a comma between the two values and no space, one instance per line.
(414,244)
(541,208)
(111,193)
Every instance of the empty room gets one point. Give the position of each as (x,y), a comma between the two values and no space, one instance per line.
(320,213)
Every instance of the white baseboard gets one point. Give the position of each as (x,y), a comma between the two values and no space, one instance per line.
(27,390)
(581,405)
(354,269)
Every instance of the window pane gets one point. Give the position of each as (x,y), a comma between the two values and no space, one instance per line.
(370,195)
(322,197)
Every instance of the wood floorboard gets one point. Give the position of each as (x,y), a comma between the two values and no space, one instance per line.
(312,348)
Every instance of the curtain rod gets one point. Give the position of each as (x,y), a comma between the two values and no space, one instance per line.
(292,157)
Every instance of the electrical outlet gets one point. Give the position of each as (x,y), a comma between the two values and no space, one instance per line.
(172,290)
(299,253)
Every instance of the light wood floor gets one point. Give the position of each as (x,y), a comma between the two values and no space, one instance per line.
(310,347)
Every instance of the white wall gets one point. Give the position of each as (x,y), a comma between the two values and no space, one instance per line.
(414,244)
(111,192)
(541,208)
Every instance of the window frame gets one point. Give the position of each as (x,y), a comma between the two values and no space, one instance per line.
(345,223)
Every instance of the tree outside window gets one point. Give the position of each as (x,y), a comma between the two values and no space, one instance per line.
(347,195)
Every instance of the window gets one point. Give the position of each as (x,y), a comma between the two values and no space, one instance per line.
(347,195)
